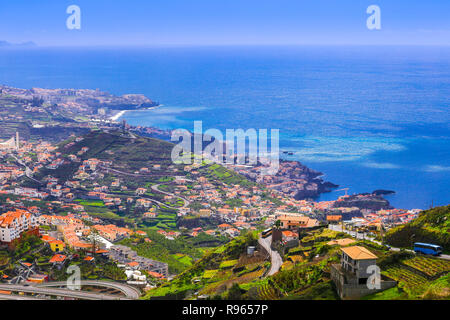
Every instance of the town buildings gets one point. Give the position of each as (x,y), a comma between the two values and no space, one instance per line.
(14,223)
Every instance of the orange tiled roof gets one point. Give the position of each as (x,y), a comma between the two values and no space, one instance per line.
(58,258)
(133,264)
(358,253)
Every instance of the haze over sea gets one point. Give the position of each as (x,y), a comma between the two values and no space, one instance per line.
(367,117)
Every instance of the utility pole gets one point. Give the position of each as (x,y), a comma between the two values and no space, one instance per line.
(94,240)
(381,233)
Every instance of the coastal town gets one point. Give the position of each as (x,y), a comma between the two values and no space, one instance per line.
(108,197)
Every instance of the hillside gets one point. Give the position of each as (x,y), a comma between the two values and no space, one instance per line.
(432,226)
(131,153)
(35,121)
(227,272)
(179,253)
(216,272)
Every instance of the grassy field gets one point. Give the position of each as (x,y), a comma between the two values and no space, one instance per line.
(228,264)
(217,172)
(91,203)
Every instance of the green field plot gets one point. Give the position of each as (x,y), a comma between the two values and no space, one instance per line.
(429,266)
(406,277)
(208,274)
(228,264)
(91,203)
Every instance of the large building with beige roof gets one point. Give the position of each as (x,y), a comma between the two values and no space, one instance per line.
(292,221)
(358,274)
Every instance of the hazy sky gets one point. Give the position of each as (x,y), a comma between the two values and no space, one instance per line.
(224,22)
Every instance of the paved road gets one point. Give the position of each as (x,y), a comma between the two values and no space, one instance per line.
(133,174)
(275,257)
(16,297)
(444,256)
(128,291)
(155,188)
(365,236)
(60,292)
(28,171)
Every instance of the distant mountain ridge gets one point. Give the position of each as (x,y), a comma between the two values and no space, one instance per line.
(23,44)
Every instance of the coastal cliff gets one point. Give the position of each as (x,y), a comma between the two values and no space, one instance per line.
(369,201)
(293,179)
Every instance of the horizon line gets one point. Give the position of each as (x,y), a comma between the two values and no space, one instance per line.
(198,45)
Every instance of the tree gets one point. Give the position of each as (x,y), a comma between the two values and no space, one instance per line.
(235,292)
(278,224)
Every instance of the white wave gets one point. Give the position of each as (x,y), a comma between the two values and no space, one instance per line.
(436,168)
(329,149)
(384,165)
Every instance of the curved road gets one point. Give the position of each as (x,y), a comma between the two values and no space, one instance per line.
(129,291)
(17,297)
(154,187)
(275,257)
(186,202)
(59,292)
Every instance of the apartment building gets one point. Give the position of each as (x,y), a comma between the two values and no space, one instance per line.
(14,223)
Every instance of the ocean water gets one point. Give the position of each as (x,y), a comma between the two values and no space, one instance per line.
(367,117)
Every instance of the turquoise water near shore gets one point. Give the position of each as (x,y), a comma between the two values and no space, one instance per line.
(367,117)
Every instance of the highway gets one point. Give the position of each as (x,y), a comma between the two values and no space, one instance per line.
(16,297)
(129,291)
(57,292)
(275,257)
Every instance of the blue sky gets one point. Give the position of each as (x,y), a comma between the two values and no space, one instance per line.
(225,22)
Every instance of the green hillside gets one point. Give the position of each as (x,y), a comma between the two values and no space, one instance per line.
(216,272)
(124,151)
(432,226)
(228,273)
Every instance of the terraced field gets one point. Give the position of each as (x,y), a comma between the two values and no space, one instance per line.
(266,292)
(208,274)
(429,266)
(228,264)
(251,276)
(405,277)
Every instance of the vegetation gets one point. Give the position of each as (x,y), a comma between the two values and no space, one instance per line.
(177,253)
(218,173)
(430,266)
(206,277)
(432,226)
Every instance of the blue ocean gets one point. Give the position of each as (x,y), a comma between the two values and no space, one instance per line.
(367,117)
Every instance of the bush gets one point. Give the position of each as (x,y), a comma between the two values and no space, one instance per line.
(235,292)
(394,258)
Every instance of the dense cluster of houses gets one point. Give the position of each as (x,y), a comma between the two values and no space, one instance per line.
(236,207)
